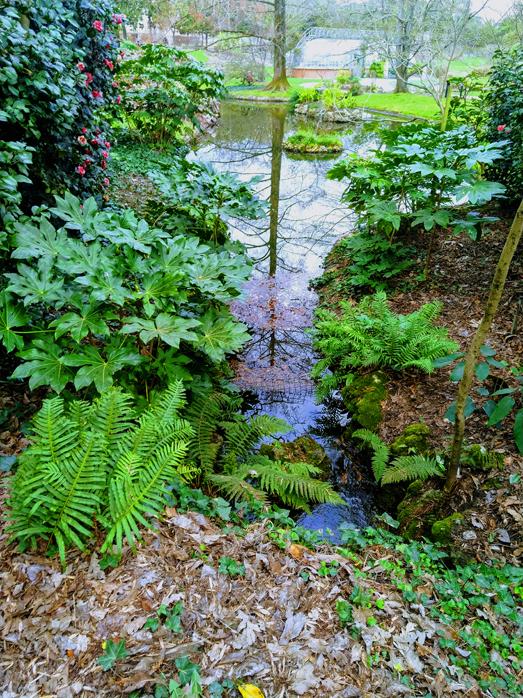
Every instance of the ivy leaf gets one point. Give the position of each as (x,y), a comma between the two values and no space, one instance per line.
(113,652)
(221,334)
(100,370)
(503,408)
(80,324)
(44,365)
(186,670)
(168,328)
(11,315)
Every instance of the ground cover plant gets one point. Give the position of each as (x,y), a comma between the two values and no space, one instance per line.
(310,142)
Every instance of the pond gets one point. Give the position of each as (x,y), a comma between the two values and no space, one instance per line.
(305,218)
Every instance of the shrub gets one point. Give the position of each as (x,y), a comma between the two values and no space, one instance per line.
(504,101)
(333,98)
(377,69)
(369,334)
(97,464)
(311,142)
(105,295)
(56,77)
(164,90)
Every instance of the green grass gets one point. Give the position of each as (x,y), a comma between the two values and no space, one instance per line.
(410,104)
(310,142)
(199,55)
(463,66)
(259,91)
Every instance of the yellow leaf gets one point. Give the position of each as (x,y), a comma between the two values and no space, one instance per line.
(248,690)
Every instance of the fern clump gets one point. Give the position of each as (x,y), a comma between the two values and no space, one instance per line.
(401,469)
(370,334)
(224,447)
(97,463)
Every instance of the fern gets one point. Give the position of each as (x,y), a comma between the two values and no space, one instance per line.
(98,462)
(369,334)
(225,444)
(379,448)
(411,468)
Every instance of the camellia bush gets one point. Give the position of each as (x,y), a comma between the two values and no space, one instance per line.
(504,101)
(57,63)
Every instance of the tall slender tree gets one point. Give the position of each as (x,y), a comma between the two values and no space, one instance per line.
(279,43)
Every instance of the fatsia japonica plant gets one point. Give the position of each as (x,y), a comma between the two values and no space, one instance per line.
(98,463)
(198,199)
(419,179)
(104,295)
(164,90)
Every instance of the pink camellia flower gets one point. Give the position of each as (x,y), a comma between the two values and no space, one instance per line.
(118,19)
(105,154)
(96,94)
(80,170)
(80,66)
(502,127)
(88,79)
(84,130)
(98,25)
(103,164)
(82,140)
(109,64)
(118,99)
(114,83)
(107,181)
(122,54)
(107,144)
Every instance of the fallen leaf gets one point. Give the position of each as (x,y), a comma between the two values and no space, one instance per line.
(249,690)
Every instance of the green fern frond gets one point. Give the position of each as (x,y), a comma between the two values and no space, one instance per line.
(204,415)
(236,488)
(407,468)
(379,448)
(241,437)
(54,434)
(169,403)
(112,416)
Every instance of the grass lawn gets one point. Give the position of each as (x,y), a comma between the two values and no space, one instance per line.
(410,104)
(463,66)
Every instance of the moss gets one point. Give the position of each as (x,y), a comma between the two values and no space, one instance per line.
(363,398)
(442,530)
(304,449)
(418,510)
(413,439)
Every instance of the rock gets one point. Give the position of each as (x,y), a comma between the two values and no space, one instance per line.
(304,449)
(413,439)
(418,510)
(442,530)
(477,457)
(363,398)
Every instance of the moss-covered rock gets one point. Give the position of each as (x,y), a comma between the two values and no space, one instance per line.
(363,398)
(441,531)
(418,509)
(304,449)
(413,439)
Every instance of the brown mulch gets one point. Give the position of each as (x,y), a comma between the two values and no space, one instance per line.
(274,627)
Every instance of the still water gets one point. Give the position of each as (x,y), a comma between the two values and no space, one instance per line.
(304,219)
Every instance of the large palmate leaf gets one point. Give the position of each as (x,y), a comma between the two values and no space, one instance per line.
(99,369)
(12,315)
(77,214)
(45,365)
(41,241)
(481,191)
(221,334)
(89,319)
(168,328)
(36,285)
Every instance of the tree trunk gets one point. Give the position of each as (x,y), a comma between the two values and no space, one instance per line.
(279,80)
(402,58)
(491,307)
(277,129)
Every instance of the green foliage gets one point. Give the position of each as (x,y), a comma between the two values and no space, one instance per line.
(98,462)
(401,469)
(55,78)
(369,334)
(230,567)
(305,95)
(510,402)
(169,617)
(413,182)
(335,99)
(106,295)
(504,103)
(195,198)
(306,141)
(164,91)
(377,69)
(224,446)
(114,651)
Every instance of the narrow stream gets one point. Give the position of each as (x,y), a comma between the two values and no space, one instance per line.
(289,246)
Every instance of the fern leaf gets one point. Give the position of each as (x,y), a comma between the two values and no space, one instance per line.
(380,450)
(407,468)
(112,416)
(235,487)
(168,405)
(204,415)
